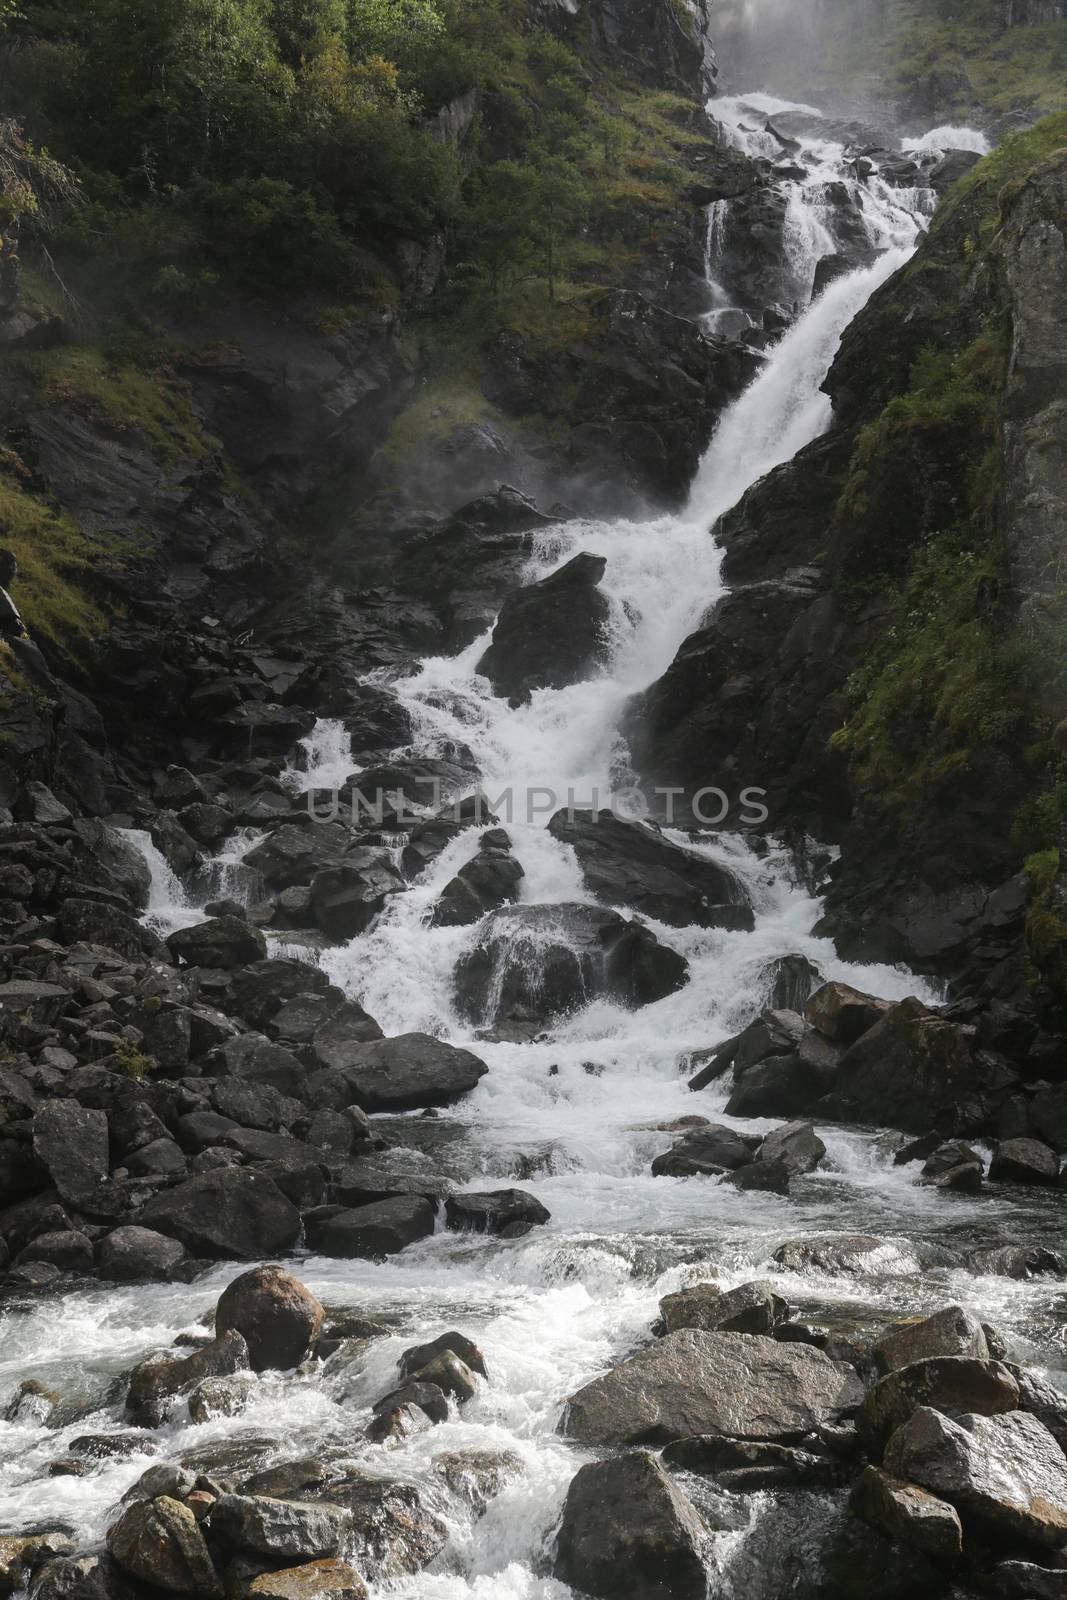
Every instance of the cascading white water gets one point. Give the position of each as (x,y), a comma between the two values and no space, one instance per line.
(577,1117)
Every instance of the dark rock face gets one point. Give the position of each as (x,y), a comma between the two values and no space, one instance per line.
(731,1384)
(510,1212)
(404,1073)
(548,960)
(916,1071)
(631,864)
(551,633)
(219,942)
(900,1510)
(72,1144)
(708,1150)
(627,1530)
(279,1318)
(233,1214)
(372,1231)
(486,882)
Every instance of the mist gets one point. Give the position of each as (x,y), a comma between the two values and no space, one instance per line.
(789,45)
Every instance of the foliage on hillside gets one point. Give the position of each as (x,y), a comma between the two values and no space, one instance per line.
(297,144)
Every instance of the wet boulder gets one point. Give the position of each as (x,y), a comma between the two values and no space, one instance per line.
(1021,1261)
(904,1511)
(429,1398)
(951,1332)
(283,1529)
(953,1165)
(947,1383)
(478,1476)
(160,1542)
(333,1039)
(371,1232)
(631,864)
(750,1466)
(750,1308)
(547,961)
(507,1212)
(450,1374)
(419,1355)
(328,1579)
(486,882)
(842,1013)
(230,1214)
(392,1533)
(347,897)
(155,1383)
(1023,1580)
(550,634)
(704,1151)
(278,1317)
(405,1073)
(220,1397)
(21,1554)
(629,1533)
(225,942)
(691,1382)
(780,1086)
(1007,1474)
(71,1142)
(1024,1161)
(860,1254)
(796,1146)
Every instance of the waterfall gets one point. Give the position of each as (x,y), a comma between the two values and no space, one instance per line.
(579,1114)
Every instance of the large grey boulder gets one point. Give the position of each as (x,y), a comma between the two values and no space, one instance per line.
(550,634)
(230,1214)
(948,1383)
(72,1143)
(629,1533)
(904,1511)
(405,1073)
(371,1232)
(546,961)
(288,1530)
(733,1384)
(219,942)
(629,863)
(1007,1473)
(950,1332)
(131,1254)
(750,1308)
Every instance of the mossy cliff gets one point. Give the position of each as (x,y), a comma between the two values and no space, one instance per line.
(910,700)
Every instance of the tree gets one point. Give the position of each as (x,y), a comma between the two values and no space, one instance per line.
(559,199)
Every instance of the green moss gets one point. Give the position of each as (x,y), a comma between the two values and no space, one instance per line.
(151,400)
(916,526)
(56,563)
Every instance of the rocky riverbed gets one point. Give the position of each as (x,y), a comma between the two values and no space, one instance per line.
(508,1195)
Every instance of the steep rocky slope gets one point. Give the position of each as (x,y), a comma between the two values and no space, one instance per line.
(889,657)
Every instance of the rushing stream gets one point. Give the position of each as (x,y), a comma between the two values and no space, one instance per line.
(574,1117)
